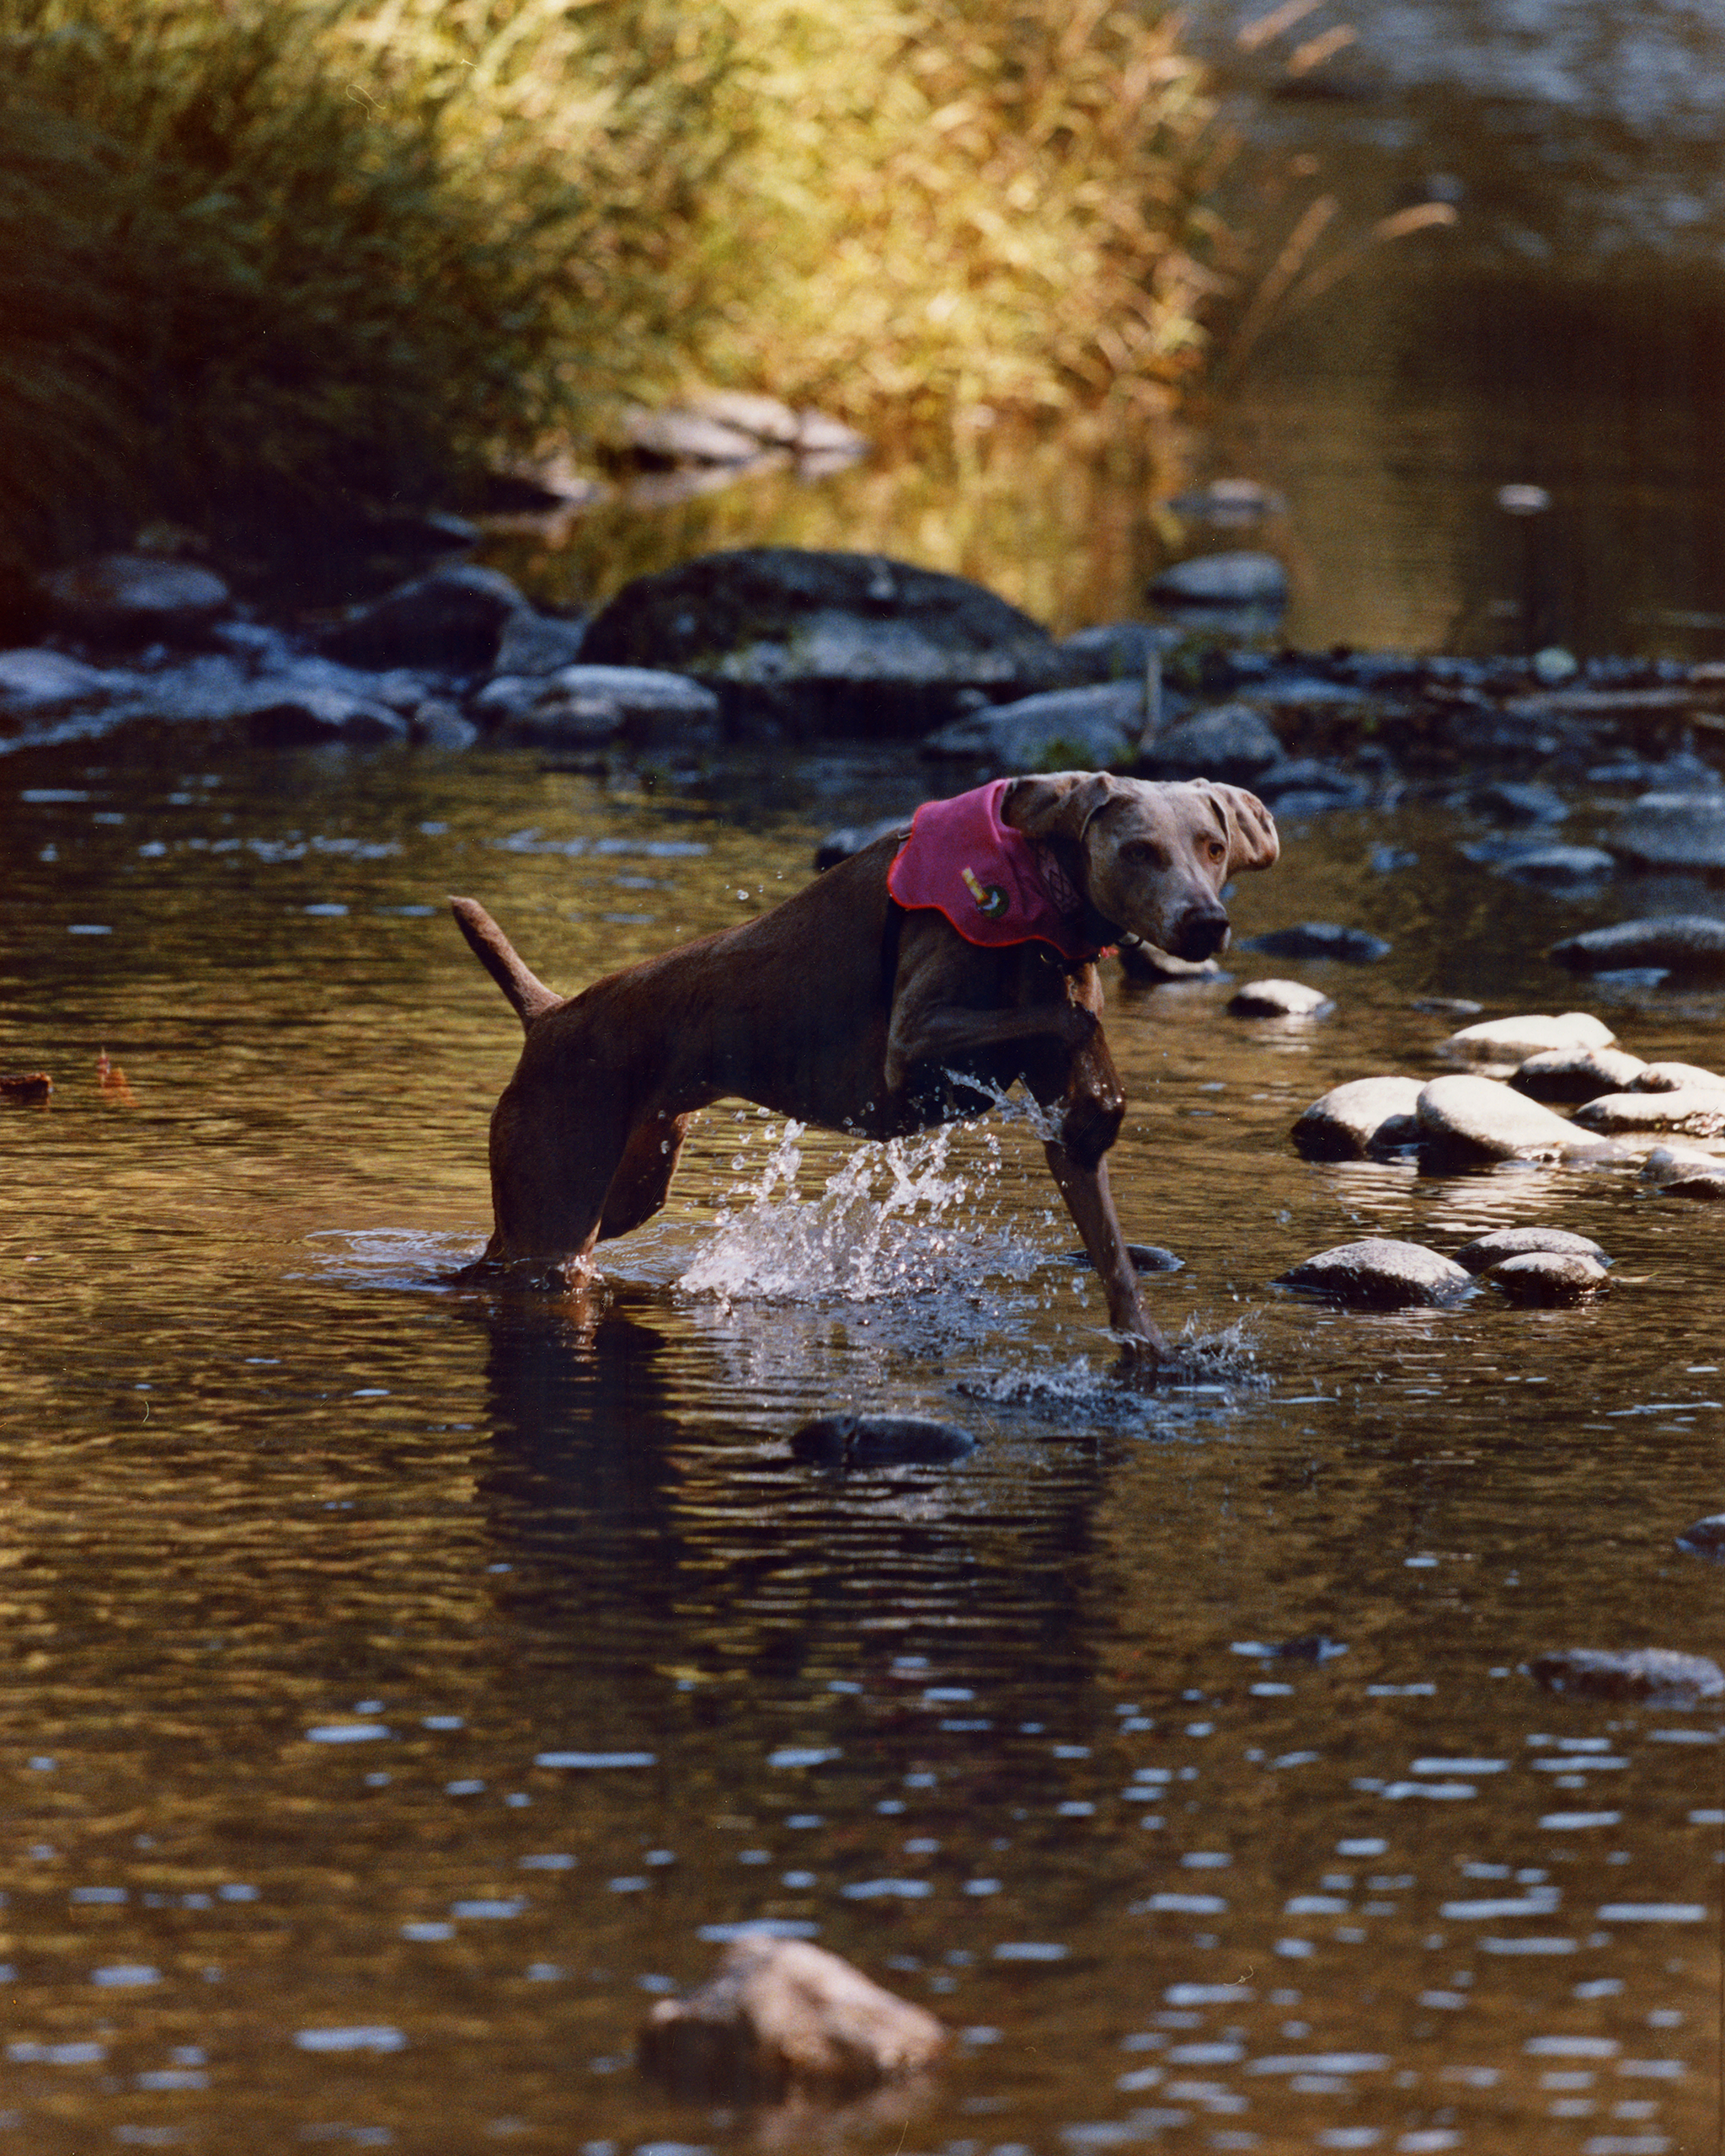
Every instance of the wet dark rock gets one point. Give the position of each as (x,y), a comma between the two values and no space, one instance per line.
(1518,801)
(1355,1121)
(784,2015)
(1705,1539)
(1690,1112)
(818,641)
(1279,999)
(1224,579)
(531,643)
(134,599)
(1146,1257)
(1380,1273)
(1570,1075)
(1548,1279)
(1501,1243)
(1466,1120)
(1319,939)
(1232,742)
(1300,785)
(1447,1007)
(287,716)
(586,706)
(1062,729)
(24,1088)
(1690,945)
(1114,651)
(852,838)
(450,617)
(1506,1044)
(864,1441)
(1662,1677)
(1674,1077)
(1684,1171)
(436,724)
(1673,830)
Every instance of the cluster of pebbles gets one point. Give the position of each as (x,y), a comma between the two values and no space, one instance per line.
(1506,1107)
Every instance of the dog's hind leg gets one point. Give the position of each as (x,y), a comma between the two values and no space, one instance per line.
(643,1179)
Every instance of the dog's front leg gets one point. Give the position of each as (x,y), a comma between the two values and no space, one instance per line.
(1088,1122)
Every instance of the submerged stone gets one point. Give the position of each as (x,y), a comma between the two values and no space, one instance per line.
(1146,1257)
(1662,1677)
(784,2015)
(1690,945)
(844,1441)
(1548,1279)
(1364,1116)
(1380,1273)
(1502,1243)
(1705,1539)
(1279,999)
(1319,939)
(1681,1171)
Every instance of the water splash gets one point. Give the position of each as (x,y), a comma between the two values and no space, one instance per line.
(892,1221)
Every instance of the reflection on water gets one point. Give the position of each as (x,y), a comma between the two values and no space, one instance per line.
(405,1684)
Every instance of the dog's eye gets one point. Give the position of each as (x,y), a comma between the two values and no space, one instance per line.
(1218,851)
(1141,853)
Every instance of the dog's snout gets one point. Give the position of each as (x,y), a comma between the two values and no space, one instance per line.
(1201,931)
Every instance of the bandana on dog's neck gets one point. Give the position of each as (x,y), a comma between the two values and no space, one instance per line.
(995,886)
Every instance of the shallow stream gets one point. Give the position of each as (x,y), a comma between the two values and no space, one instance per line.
(404,1684)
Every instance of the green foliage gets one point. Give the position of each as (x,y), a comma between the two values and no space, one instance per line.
(266,257)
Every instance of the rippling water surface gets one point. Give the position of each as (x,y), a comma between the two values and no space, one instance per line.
(404,1685)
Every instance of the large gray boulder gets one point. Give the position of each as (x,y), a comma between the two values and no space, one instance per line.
(1691,945)
(1466,1119)
(134,599)
(1064,729)
(1673,831)
(807,643)
(1380,1273)
(781,2016)
(1365,1116)
(451,618)
(1232,742)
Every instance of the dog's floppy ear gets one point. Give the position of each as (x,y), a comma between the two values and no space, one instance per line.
(1055,805)
(1252,829)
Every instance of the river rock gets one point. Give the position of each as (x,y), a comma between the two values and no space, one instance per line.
(1548,1279)
(1705,1539)
(134,598)
(1684,1171)
(1557,867)
(1674,1077)
(24,1088)
(531,643)
(1464,1119)
(681,436)
(1061,730)
(1380,1273)
(1660,1676)
(434,724)
(1572,1075)
(813,641)
(1518,801)
(852,838)
(840,1441)
(1363,1118)
(1113,651)
(1146,1257)
(1319,939)
(450,617)
(1279,999)
(1507,1043)
(37,684)
(585,706)
(1673,831)
(1231,742)
(1690,1112)
(1690,945)
(1301,786)
(783,2015)
(1499,1243)
(1237,578)
(287,715)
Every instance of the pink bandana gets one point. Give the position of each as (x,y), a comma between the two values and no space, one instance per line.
(993,884)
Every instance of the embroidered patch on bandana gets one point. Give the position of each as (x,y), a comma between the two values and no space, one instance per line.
(995,886)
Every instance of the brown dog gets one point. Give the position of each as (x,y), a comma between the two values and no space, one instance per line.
(842,1008)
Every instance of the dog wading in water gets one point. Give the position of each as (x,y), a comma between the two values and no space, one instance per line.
(863,1003)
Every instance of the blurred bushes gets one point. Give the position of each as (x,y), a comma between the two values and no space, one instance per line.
(266,258)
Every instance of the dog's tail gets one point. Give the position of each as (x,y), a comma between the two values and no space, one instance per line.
(529,997)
